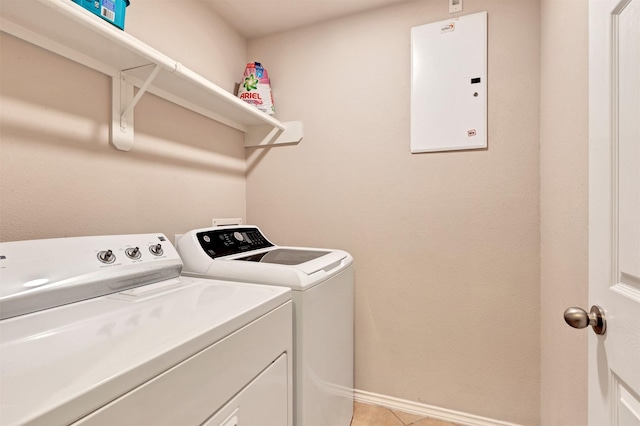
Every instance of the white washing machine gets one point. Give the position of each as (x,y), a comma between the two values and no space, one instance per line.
(105,331)
(322,284)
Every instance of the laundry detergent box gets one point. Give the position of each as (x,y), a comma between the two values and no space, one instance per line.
(112,11)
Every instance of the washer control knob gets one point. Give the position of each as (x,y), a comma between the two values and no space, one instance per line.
(106,256)
(133,253)
(156,250)
(238,236)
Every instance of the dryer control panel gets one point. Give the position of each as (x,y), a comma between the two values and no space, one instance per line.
(43,274)
(226,241)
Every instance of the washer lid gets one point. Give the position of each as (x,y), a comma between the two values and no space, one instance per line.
(285,269)
(283,256)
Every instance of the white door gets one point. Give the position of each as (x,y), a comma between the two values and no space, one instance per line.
(614,210)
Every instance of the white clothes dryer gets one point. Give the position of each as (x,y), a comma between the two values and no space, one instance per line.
(105,331)
(322,281)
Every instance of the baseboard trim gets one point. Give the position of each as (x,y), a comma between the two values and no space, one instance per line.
(426,410)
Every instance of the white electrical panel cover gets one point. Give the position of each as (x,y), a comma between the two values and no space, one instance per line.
(449,84)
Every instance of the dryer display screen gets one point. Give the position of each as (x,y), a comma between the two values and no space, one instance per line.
(224,242)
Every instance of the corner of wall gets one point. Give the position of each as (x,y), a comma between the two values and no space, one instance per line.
(563,208)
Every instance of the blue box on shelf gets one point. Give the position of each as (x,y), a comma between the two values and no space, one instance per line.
(112,11)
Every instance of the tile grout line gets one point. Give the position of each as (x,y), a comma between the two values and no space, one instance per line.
(399,419)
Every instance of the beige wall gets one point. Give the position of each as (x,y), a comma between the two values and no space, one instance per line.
(564,148)
(446,244)
(59,176)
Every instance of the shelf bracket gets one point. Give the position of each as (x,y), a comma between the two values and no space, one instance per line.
(265,136)
(123,104)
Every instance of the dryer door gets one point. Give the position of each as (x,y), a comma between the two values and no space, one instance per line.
(264,401)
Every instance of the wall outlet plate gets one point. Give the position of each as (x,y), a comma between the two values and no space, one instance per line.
(226,221)
(455,6)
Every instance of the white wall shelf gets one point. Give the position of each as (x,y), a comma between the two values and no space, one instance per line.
(64,28)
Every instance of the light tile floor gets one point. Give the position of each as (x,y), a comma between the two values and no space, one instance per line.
(374,415)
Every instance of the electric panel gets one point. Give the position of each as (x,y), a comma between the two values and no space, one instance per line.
(449,84)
